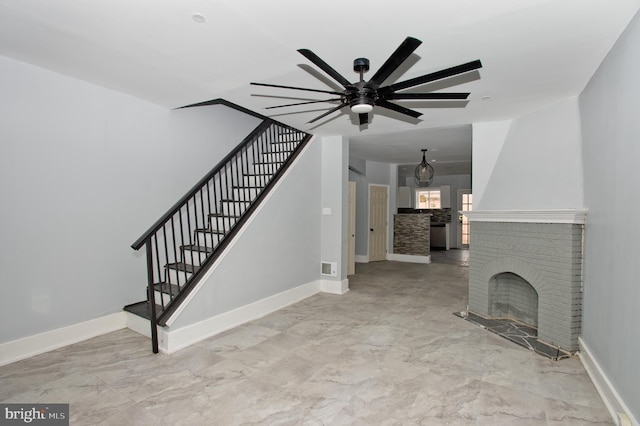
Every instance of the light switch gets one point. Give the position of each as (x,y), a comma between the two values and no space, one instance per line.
(326,211)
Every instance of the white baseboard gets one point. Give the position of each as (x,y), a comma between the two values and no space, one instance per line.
(173,340)
(614,403)
(361,259)
(408,258)
(26,347)
(334,287)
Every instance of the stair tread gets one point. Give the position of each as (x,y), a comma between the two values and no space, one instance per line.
(196,247)
(167,288)
(181,266)
(142,309)
(209,231)
(230,216)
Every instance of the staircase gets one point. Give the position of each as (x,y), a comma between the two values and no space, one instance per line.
(183,244)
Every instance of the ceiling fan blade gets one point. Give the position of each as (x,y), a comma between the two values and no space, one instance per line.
(431,96)
(296,88)
(396,59)
(438,75)
(305,103)
(326,113)
(325,67)
(398,108)
(364,118)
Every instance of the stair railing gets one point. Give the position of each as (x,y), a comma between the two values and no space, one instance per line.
(187,239)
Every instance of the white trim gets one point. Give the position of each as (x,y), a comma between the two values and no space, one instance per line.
(334,287)
(170,341)
(362,259)
(232,243)
(575,216)
(138,324)
(612,399)
(26,347)
(409,258)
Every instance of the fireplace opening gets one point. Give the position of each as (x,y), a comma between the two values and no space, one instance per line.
(511,296)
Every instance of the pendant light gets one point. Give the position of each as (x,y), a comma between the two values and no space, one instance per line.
(424,171)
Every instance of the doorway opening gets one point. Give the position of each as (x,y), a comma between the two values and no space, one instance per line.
(465,203)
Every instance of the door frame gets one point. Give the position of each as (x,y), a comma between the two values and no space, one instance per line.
(351,229)
(386,232)
(458,220)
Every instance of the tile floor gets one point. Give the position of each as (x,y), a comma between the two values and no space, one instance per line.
(389,352)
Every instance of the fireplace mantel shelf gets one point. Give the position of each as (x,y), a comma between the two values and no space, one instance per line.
(576,216)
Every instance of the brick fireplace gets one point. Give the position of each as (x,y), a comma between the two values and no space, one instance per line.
(527,266)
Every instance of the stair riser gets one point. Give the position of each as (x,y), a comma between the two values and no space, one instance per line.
(178,277)
(275,156)
(211,240)
(285,146)
(222,223)
(256,180)
(288,138)
(194,257)
(159,296)
(230,208)
(266,168)
(245,194)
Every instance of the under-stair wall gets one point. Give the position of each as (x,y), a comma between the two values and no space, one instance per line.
(277,251)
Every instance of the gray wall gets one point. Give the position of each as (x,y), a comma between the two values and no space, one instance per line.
(611,153)
(83,172)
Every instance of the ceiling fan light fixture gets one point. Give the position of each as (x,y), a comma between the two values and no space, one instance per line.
(361,105)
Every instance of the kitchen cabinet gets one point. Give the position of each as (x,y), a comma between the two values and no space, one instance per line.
(404,197)
(445,196)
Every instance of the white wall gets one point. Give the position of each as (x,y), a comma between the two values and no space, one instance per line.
(611,153)
(488,139)
(539,165)
(84,171)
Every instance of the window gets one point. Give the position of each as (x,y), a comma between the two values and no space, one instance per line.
(428,198)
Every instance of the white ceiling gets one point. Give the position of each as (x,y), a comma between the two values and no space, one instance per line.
(534,52)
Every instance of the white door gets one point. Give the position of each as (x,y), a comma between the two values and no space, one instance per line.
(351,230)
(465,203)
(378,196)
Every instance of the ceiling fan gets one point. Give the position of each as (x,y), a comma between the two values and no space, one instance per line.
(362,95)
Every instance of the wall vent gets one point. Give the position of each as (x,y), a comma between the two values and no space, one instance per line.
(329,269)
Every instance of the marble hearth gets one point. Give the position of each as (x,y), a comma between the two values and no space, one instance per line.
(526,266)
